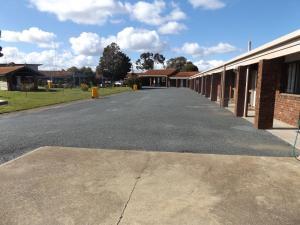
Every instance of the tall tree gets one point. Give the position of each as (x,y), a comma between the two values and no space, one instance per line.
(73,69)
(189,67)
(87,71)
(147,60)
(114,64)
(159,59)
(176,63)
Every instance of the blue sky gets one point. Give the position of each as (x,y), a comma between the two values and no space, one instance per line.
(206,32)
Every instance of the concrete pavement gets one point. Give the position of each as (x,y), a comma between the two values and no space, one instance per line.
(67,186)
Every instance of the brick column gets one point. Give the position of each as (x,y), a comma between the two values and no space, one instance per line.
(268,71)
(225,80)
(208,84)
(239,93)
(199,87)
(205,85)
(202,85)
(214,87)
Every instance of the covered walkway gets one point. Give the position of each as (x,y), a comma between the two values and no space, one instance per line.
(263,83)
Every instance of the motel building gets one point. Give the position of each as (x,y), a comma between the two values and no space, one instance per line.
(181,79)
(157,78)
(166,78)
(263,83)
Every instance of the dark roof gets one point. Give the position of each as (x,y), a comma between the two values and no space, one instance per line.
(185,74)
(7,70)
(54,74)
(163,72)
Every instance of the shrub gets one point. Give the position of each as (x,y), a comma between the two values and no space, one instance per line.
(131,81)
(47,87)
(84,87)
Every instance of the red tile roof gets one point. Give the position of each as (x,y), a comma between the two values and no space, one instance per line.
(185,74)
(8,69)
(166,72)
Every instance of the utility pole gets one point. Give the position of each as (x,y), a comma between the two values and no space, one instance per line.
(247,84)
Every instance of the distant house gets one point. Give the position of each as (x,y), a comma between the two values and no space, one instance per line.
(166,78)
(19,77)
(157,78)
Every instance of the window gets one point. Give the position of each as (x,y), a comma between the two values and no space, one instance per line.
(293,78)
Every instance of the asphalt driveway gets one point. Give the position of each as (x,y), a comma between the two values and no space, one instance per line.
(175,120)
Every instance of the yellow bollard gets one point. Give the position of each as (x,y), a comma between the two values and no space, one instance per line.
(135,87)
(49,84)
(95,93)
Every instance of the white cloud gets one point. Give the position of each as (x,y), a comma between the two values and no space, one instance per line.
(132,39)
(49,58)
(149,13)
(100,11)
(81,11)
(196,50)
(139,40)
(171,28)
(205,65)
(32,35)
(86,44)
(152,13)
(207,4)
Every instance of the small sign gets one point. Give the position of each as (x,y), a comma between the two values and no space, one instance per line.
(3,86)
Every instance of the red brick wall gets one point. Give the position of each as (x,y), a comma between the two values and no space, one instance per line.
(287,108)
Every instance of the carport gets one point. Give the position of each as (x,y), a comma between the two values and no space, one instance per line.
(18,78)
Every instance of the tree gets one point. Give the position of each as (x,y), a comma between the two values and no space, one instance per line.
(86,74)
(189,67)
(181,64)
(1,54)
(87,71)
(159,59)
(114,64)
(176,63)
(73,69)
(147,60)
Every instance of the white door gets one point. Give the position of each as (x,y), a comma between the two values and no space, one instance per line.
(253,88)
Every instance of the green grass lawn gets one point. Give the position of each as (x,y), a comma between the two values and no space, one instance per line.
(20,100)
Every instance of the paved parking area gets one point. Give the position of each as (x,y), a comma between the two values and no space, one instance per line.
(68,186)
(175,120)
